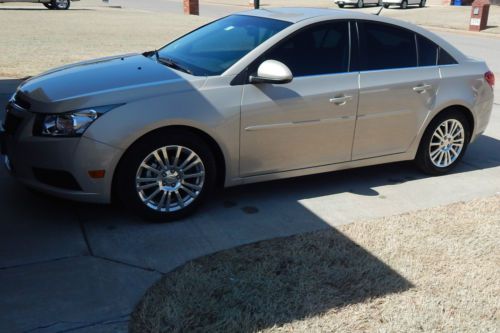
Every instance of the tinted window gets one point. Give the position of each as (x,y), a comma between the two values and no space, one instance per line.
(445,58)
(214,48)
(427,52)
(320,49)
(385,46)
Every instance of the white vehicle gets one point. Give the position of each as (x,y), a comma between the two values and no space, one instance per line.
(50,4)
(403,4)
(358,3)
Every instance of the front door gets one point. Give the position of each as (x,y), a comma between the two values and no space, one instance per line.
(310,121)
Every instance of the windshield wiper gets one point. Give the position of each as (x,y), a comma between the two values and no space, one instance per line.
(171,63)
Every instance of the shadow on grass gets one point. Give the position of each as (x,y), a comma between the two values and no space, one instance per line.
(266,284)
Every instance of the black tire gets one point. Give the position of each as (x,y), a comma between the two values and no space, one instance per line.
(360,4)
(56,5)
(379,3)
(404,4)
(48,5)
(124,184)
(386,5)
(422,3)
(423,159)
(340,5)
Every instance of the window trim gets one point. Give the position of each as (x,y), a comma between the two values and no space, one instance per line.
(243,77)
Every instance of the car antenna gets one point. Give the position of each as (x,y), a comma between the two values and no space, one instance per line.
(378,13)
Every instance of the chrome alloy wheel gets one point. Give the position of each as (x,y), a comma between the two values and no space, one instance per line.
(61,4)
(447,143)
(170,178)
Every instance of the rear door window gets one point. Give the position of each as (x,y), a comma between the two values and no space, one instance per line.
(386,46)
(427,52)
(445,58)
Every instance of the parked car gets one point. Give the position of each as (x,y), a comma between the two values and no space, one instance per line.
(403,4)
(255,96)
(358,3)
(50,4)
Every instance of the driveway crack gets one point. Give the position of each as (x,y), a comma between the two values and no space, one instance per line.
(40,262)
(81,324)
(116,261)
(84,234)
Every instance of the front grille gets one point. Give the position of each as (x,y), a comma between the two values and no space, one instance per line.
(11,123)
(56,178)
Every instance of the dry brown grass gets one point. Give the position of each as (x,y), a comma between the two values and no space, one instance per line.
(435,270)
(34,39)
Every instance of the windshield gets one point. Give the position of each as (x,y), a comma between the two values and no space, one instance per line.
(212,49)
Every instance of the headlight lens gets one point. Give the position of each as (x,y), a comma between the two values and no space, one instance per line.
(68,124)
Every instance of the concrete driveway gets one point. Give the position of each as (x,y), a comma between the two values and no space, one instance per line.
(77,267)
(212,10)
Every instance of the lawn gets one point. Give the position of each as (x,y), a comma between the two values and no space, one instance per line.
(435,270)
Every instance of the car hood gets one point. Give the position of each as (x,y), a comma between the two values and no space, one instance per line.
(105,81)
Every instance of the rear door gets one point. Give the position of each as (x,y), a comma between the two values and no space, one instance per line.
(395,93)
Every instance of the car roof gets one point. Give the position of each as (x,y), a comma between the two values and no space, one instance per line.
(296,14)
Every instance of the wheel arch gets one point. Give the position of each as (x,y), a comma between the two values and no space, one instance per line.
(454,107)
(460,108)
(212,143)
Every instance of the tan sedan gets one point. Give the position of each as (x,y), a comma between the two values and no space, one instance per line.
(260,95)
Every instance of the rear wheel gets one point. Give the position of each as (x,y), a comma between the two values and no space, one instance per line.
(404,4)
(60,4)
(386,5)
(360,4)
(422,3)
(444,143)
(340,5)
(166,175)
(48,5)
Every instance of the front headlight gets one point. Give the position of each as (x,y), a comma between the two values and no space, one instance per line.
(70,123)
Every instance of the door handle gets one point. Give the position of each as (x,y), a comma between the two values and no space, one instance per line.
(340,100)
(422,88)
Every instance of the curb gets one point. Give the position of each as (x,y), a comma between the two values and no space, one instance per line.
(463,32)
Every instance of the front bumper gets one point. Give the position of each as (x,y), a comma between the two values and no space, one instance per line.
(25,155)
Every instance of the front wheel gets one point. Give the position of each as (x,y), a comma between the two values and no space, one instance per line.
(404,4)
(166,175)
(360,4)
(386,5)
(422,3)
(60,4)
(48,5)
(444,143)
(340,5)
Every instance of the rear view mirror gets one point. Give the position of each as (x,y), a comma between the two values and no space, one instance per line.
(272,71)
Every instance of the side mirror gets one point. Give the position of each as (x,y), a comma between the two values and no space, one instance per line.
(272,71)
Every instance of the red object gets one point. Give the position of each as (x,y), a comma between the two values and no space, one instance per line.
(96,174)
(192,7)
(490,78)
(479,15)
